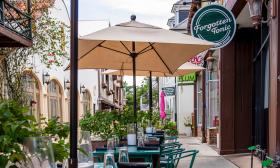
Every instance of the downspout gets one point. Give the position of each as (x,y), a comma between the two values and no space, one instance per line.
(99,94)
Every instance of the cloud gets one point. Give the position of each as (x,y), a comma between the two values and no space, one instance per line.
(144,7)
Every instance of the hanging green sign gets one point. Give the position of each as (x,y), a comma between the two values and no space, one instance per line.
(214,23)
(169,91)
(189,78)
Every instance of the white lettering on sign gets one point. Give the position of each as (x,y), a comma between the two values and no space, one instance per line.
(213,27)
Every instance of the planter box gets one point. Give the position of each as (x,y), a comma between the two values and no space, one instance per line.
(212,135)
(102,143)
(98,144)
(188,131)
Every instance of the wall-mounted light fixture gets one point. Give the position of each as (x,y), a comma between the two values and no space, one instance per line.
(255,8)
(210,59)
(67,84)
(82,89)
(46,78)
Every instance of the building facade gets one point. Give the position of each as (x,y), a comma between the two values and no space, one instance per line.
(238,93)
(48,88)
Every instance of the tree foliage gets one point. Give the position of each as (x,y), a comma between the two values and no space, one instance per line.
(15,126)
(142,90)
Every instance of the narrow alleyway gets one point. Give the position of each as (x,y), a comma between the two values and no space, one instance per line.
(209,158)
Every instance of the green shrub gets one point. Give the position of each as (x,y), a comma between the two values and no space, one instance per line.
(171,128)
(108,123)
(15,126)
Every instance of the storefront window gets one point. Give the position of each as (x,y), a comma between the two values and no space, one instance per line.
(54,100)
(214,103)
(213,96)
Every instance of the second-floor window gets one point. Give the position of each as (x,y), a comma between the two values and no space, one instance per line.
(183,14)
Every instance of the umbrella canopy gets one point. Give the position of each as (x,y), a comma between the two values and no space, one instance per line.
(186,68)
(154,49)
(138,46)
(162,105)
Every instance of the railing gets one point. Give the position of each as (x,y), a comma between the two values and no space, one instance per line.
(273,162)
(15,20)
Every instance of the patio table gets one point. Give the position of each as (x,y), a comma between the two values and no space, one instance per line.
(148,155)
(101,165)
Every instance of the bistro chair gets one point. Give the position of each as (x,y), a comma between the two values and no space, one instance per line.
(173,158)
(170,146)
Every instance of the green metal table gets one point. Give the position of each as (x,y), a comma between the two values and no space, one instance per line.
(148,155)
(100,165)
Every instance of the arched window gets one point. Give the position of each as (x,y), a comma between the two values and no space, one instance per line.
(86,102)
(54,99)
(32,93)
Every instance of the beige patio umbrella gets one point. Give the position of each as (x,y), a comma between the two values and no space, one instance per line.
(138,46)
(184,69)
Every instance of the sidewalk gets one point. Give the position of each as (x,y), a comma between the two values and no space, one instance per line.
(209,158)
(206,158)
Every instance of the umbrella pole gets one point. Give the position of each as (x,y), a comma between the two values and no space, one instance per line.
(150,97)
(73,161)
(134,55)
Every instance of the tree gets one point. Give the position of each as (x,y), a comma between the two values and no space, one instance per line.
(142,90)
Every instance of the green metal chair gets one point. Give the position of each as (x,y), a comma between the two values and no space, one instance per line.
(185,154)
(172,158)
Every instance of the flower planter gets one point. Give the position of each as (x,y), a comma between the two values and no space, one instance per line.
(188,131)
(98,144)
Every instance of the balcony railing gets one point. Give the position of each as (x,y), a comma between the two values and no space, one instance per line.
(15,20)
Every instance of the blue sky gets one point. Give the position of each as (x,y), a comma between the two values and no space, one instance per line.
(155,12)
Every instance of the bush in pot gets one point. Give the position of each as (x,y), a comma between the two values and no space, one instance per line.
(171,128)
(59,132)
(15,126)
(188,125)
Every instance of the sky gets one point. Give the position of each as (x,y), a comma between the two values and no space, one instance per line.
(103,12)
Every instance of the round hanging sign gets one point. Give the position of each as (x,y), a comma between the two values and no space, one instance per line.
(214,23)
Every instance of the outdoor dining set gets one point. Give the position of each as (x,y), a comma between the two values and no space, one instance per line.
(152,150)
(136,47)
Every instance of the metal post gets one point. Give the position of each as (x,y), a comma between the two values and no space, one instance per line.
(150,96)
(73,161)
(195,108)
(133,55)
(203,127)
(252,158)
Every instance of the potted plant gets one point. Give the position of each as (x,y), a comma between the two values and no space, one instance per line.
(170,128)
(15,126)
(104,125)
(188,125)
(58,132)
